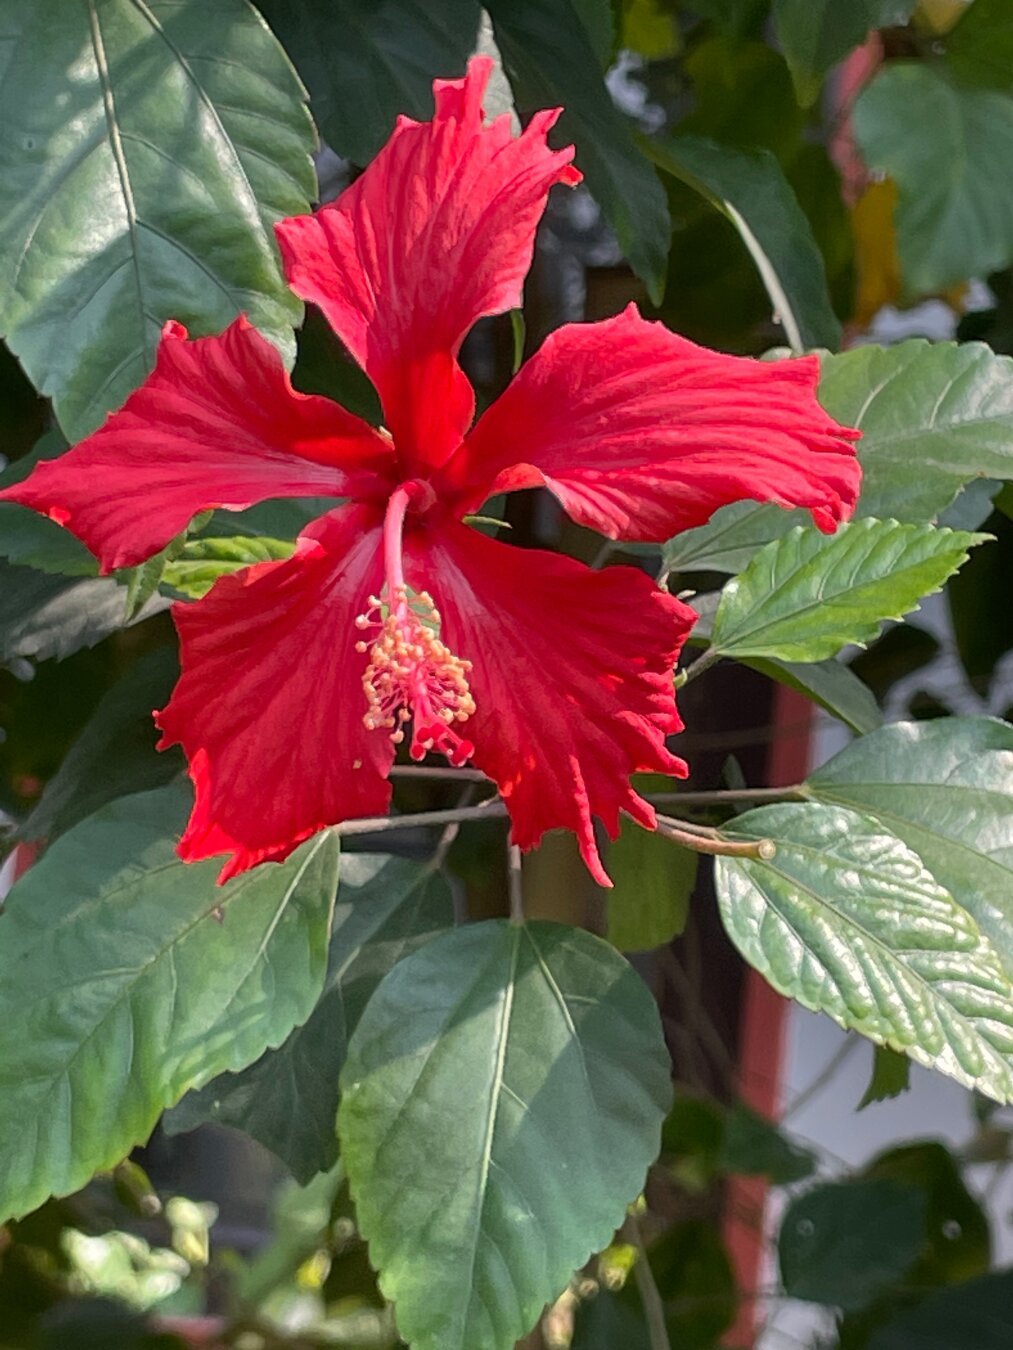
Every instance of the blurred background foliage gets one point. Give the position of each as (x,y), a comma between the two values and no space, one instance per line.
(759,174)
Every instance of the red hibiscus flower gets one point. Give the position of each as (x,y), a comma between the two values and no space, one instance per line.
(300,677)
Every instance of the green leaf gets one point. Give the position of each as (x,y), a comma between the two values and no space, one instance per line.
(550,63)
(843,1243)
(979,49)
(44,616)
(750,189)
(32,540)
(832,685)
(941,144)
(806,596)
(933,416)
(599,20)
(978,1313)
(846,919)
(652,884)
(736,16)
(128,977)
(142,582)
(891,1075)
(365,64)
(816,34)
(35,541)
(115,753)
(731,538)
(204,559)
(502,1100)
(146,148)
(754,1146)
(946,789)
(288,1099)
(958,1239)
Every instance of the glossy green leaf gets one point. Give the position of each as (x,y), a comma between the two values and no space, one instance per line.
(204,559)
(750,189)
(816,34)
(46,615)
(550,63)
(115,753)
(288,1099)
(502,1099)
(891,1075)
(978,1313)
(129,977)
(146,148)
(933,416)
(847,920)
(843,1243)
(366,64)
(942,144)
(731,538)
(652,883)
(831,685)
(806,596)
(946,789)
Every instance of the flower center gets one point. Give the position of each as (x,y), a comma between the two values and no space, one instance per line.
(412,675)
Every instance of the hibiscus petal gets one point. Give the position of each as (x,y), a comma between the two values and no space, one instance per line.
(216,423)
(269,706)
(571,676)
(436,233)
(641,433)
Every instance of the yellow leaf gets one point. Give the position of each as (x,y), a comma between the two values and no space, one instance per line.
(939,16)
(876,263)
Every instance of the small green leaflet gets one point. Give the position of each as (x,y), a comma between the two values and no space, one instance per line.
(891,1075)
(206,558)
(806,596)
(502,1100)
(846,919)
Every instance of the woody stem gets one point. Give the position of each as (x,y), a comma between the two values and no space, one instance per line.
(702,839)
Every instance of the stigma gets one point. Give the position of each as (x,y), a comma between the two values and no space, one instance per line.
(412,675)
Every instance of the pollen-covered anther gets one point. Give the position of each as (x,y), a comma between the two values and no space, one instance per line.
(412,675)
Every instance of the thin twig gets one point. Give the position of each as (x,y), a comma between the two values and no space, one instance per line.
(710,797)
(437,771)
(719,796)
(654,1307)
(700,840)
(710,658)
(829,1070)
(515,884)
(493,809)
(450,831)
